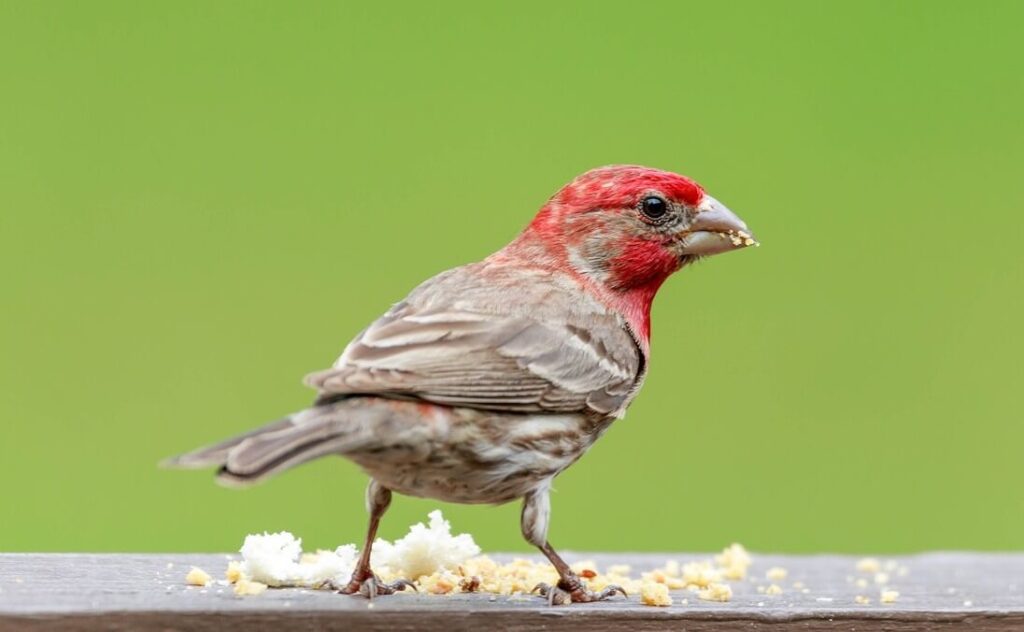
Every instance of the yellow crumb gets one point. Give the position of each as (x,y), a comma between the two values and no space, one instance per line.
(881,578)
(655,594)
(776,574)
(869,565)
(716,592)
(889,596)
(862,600)
(246,588)
(774,589)
(440,583)
(733,562)
(234,572)
(862,583)
(198,577)
(700,574)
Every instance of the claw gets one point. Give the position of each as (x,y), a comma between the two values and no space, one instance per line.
(402,584)
(573,591)
(610,591)
(371,587)
(368,586)
(328,584)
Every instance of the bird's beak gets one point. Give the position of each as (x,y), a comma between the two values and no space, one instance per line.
(714,229)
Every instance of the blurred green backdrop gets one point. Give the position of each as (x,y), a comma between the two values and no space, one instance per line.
(201,202)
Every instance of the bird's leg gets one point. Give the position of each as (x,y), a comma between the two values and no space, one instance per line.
(570,588)
(364,582)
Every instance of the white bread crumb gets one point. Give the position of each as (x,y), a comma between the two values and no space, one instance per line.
(424,550)
(774,589)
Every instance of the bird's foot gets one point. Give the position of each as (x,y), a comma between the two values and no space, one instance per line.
(572,590)
(368,585)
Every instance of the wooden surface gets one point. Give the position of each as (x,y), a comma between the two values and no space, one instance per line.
(147,592)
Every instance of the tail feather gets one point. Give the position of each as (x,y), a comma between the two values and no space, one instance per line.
(300,454)
(217,453)
(256,455)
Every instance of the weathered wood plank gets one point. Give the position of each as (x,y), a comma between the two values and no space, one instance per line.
(141,592)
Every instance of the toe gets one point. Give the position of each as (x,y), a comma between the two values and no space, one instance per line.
(401,584)
(611,591)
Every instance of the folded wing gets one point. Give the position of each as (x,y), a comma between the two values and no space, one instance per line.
(515,363)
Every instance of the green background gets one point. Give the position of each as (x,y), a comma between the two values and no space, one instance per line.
(201,202)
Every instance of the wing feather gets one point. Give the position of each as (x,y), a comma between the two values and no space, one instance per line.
(464,353)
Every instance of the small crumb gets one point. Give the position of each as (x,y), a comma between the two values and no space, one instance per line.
(805,590)
(824,599)
(760,589)
(234,572)
(774,589)
(369,605)
(889,596)
(733,561)
(862,600)
(862,583)
(170,565)
(968,603)
(798,585)
(245,588)
(902,571)
(716,592)
(685,601)
(760,604)
(881,578)
(198,577)
(776,574)
(869,565)
(655,594)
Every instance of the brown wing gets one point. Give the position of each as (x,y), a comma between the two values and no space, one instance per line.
(460,352)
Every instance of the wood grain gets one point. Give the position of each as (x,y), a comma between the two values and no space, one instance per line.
(65,592)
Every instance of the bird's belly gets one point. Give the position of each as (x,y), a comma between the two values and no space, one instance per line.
(482,457)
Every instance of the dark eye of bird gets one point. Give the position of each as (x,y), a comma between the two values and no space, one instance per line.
(654,207)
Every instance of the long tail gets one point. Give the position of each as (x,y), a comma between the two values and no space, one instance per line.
(252,457)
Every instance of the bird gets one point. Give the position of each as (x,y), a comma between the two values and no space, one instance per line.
(490,379)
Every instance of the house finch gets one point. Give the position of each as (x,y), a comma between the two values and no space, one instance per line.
(490,379)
